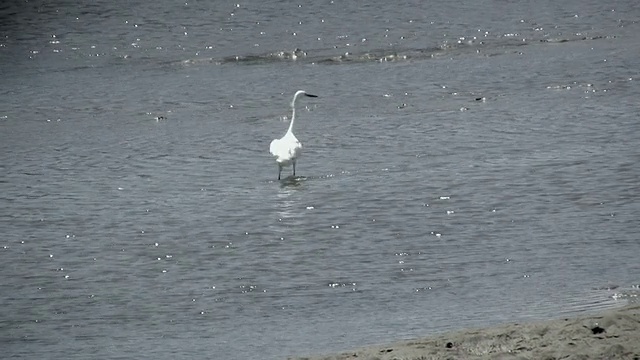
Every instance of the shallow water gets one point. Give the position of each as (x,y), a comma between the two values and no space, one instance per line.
(464,165)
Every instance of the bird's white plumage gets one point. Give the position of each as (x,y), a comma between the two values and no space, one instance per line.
(288,148)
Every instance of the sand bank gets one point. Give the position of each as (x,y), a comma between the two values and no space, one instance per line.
(612,334)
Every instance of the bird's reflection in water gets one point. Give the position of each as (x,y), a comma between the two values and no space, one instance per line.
(288,202)
(292,181)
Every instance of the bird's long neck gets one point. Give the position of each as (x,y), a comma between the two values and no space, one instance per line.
(293,110)
(293,117)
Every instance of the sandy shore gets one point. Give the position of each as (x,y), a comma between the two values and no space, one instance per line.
(613,334)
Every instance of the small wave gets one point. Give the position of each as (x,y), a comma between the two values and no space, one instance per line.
(486,47)
(277,56)
(269,57)
(577,38)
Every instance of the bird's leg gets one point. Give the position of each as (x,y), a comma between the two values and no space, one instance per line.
(294,168)
(279,170)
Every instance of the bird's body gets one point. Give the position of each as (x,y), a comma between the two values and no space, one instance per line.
(288,148)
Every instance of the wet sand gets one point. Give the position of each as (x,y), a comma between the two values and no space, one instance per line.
(612,334)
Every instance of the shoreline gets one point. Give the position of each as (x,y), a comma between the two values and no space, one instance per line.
(609,334)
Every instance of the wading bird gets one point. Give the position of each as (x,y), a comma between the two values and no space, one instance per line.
(287,149)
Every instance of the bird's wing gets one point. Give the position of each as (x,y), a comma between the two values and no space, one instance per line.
(286,148)
(273,148)
(295,150)
(279,149)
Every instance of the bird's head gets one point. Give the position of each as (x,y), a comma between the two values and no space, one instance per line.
(301,92)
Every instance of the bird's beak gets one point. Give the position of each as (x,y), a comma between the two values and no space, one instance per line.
(310,95)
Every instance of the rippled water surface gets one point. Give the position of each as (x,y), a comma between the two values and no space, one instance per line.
(465,164)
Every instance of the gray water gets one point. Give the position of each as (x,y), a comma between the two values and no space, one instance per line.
(465,164)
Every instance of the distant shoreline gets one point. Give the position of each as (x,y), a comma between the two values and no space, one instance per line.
(610,334)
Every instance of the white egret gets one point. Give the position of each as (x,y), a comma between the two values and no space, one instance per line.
(287,149)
